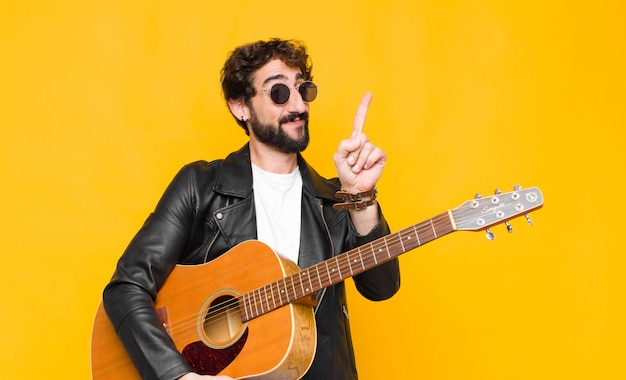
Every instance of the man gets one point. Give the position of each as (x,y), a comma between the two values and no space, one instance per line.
(264,191)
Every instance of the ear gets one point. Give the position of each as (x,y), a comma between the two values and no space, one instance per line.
(239,109)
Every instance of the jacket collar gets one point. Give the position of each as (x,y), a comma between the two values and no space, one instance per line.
(234,177)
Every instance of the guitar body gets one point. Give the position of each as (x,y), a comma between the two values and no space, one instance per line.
(277,345)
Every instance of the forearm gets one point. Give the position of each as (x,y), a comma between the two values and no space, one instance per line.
(365,220)
(383,281)
(141,331)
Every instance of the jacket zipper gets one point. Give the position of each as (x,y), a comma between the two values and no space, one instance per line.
(332,250)
(225,203)
(208,248)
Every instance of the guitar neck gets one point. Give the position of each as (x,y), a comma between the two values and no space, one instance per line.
(343,266)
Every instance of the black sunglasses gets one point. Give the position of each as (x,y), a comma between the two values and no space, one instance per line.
(280,92)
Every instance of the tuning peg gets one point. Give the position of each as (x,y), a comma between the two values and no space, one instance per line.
(530,222)
(490,235)
(509,227)
(495,199)
(518,187)
(475,202)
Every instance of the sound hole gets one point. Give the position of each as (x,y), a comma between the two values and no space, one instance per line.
(222,324)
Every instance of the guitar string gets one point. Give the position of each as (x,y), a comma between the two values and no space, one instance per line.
(389,242)
(262,302)
(385,244)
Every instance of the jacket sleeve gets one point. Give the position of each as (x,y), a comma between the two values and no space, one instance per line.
(141,271)
(383,281)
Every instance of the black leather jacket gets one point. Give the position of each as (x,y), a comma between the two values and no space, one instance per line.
(209,208)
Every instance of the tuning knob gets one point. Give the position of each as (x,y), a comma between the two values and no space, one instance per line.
(530,222)
(490,235)
(517,188)
(509,227)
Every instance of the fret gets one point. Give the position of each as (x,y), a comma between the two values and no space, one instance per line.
(304,278)
(350,261)
(367,260)
(255,312)
(374,254)
(301,285)
(278,295)
(433,227)
(346,262)
(408,240)
(393,246)
(293,286)
(319,279)
(380,251)
(263,300)
(387,248)
(426,234)
(246,305)
(401,243)
(417,236)
(332,271)
(273,296)
(284,290)
(330,280)
(310,278)
(338,268)
(361,258)
(250,308)
(340,265)
(430,231)
(260,301)
(268,296)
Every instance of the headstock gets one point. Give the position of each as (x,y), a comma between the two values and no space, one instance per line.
(482,213)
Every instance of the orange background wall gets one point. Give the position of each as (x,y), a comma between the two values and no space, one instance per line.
(102,102)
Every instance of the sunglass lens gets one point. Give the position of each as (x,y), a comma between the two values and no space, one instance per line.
(280,93)
(308,90)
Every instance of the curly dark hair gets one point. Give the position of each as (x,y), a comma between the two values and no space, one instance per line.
(245,60)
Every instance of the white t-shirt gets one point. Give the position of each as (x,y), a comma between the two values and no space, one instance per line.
(278,201)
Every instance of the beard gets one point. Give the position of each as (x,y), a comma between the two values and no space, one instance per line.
(276,137)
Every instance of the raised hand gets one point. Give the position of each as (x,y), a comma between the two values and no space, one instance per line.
(359,163)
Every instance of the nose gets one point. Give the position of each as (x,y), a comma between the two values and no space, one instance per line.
(296,104)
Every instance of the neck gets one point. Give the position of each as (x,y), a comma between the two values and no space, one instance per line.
(271,159)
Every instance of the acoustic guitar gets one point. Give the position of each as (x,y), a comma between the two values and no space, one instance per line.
(255,319)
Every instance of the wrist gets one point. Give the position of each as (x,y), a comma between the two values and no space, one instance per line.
(359,200)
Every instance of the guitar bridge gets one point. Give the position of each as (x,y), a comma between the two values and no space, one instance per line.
(165,318)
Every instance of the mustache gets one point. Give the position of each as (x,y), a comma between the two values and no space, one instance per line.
(294,116)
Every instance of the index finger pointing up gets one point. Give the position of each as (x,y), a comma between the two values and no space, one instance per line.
(361,112)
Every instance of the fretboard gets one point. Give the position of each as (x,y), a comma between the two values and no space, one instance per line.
(351,263)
